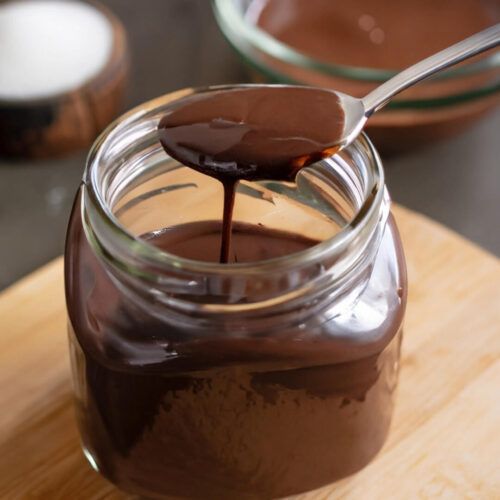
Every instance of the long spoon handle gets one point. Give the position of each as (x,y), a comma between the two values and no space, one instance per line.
(469,47)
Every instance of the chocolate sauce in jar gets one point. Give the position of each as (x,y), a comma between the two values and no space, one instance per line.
(206,405)
(250,243)
(252,133)
(164,410)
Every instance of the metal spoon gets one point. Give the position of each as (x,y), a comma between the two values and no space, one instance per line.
(357,111)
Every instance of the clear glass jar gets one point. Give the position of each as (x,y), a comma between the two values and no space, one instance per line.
(249,380)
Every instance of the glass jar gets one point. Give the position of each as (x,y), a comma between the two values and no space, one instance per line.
(249,380)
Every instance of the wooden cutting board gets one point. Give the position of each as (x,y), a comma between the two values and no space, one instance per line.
(445,438)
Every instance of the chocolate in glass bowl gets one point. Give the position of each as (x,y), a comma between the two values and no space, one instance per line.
(354,46)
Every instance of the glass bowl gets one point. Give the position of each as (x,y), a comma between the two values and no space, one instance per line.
(436,109)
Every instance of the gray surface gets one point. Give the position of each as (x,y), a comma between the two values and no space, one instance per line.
(174,44)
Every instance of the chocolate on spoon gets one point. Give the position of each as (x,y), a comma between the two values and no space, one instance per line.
(253,132)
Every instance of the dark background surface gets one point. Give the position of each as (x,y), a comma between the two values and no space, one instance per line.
(175,44)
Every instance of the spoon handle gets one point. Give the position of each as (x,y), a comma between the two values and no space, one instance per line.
(469,47)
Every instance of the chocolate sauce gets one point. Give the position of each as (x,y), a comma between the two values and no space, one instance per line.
(252,133)
(384,34)
(165,409)
(251,243)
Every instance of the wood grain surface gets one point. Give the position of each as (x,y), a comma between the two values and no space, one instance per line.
(445,438)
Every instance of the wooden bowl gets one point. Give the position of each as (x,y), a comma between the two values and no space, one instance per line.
(63,122)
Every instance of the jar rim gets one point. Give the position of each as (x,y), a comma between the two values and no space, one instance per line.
(362,221)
